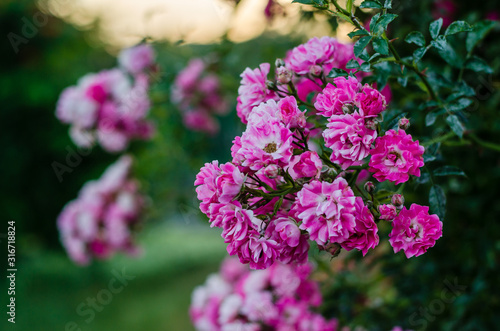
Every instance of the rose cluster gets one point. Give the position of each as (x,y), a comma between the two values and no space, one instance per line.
(294,170)
(198,95)
(101,220)
(110,107)
(279,298)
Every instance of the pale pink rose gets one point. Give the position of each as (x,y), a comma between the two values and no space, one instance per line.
(288,231)
(98,223)
(199,120)
(207,186)
(137,58)
(253,90)
(290,113)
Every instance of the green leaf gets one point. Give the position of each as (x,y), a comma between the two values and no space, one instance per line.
(335,72)
(380,46)
(455,125)
(383,72)
(360,45)
(479,31)
(349,6)
(446,52)
(433,149)
(370,4)
(459,104)
(437,201)
(435,27)
(419,53)
(316,3)
(449,171)
(365,67)
(384,21)
(478,65)
(416,38)
(364,55)
(357,33)
(373,22)
(456,27)
(430,118)
(424,178)
(429,158)
(403,81)
(388,4)
(352,64)
(383,194)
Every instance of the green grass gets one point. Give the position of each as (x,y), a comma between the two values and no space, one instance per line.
(176,259)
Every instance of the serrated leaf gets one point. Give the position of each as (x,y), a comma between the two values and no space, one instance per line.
(455,125)
(380,45)
(437,201)
(384,21)
(364,55)
(336,72)
(465,89)
(352,64)
(370,4)
(456,27)
(448,171)
(365,67)
(479,31)
(478,65)
(373,22)
(373,57)
(360,45)
(435,27)
(419,53)
(357,33)
(459,104)
(415,37)
(446,52)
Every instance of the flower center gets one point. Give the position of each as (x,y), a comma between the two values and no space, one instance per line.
(393,156)
(270,148)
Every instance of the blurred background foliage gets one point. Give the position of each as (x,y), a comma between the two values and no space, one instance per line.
(180,250)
